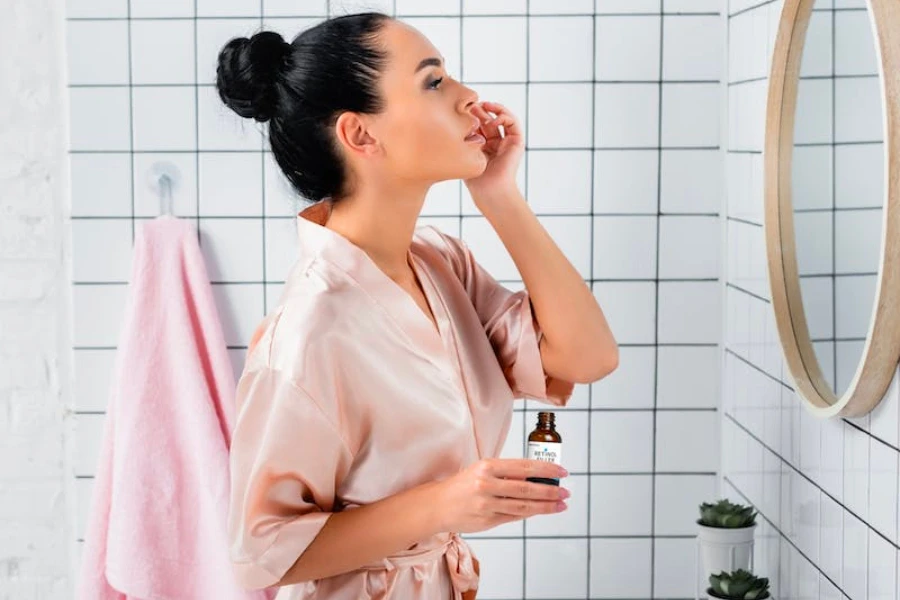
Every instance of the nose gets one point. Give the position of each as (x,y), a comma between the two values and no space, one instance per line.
(468,98)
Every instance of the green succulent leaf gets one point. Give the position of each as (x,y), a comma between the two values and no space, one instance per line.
(740,585)
(725,514)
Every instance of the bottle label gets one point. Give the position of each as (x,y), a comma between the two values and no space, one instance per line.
(545,451)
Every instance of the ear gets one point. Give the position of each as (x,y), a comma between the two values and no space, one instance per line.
(353,132)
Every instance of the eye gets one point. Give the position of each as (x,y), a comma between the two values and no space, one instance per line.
(434,84)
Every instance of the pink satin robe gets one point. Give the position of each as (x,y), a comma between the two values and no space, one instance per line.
(351,395)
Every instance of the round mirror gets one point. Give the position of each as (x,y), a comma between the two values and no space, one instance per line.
(837,186)
(831,179)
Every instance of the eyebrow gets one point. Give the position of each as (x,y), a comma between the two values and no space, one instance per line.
(427,62)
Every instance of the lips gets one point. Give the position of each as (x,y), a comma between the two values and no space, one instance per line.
(475,134)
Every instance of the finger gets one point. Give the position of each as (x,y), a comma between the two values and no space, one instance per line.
(489,123)
(492,130)
(511,123)
(523,468)
(490,112)
(479,111)
(506,122)
(483,116)
(527,490)
(494,107)
(527,508)
(497,520)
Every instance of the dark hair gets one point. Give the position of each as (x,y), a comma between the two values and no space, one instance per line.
(301,88)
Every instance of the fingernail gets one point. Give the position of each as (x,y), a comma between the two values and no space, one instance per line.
(564,493)
(563,472)
(561,506)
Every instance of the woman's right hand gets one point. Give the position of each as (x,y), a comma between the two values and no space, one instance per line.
(494,491)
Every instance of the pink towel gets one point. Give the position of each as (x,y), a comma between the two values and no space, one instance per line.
(158,522)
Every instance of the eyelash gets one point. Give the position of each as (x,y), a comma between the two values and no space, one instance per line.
(434,84)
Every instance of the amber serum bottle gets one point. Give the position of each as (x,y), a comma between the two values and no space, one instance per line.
(545,443)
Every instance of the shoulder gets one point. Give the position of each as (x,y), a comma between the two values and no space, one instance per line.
(302,342)
(308,327)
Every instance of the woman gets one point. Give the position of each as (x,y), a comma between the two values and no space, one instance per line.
(378,393)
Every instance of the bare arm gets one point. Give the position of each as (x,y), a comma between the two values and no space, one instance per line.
(578,345)
(353,538)
(486,494)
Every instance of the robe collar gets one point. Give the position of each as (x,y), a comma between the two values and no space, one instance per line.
(317,241)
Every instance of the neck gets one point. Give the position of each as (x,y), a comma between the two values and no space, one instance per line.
(381,222)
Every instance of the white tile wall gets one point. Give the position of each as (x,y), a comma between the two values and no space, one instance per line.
(826,489)
(621,99)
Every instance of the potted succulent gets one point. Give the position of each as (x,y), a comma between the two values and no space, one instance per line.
(738,585)
(726,536)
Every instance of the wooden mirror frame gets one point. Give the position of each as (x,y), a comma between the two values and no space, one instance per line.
(881,351)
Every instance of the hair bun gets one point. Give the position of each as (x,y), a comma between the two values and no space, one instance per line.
(248,71)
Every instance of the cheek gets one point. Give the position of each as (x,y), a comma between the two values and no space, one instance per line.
(434,130)
(419,138)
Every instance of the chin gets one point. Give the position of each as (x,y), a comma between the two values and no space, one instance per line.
(476,167)
(464,167)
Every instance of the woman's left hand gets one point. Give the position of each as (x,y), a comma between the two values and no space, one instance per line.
(503,152)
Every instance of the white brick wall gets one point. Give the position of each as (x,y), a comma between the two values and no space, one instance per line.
(36,541)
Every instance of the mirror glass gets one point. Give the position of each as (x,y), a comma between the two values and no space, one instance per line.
(838,188)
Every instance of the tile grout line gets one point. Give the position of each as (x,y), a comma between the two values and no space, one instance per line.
(798,471)
(591,266)
(196,118)
(263,134)
(832,150)
(784,537)
(131,123)
(451,16)
(655,422)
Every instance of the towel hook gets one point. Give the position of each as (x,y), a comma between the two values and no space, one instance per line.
(163,179)
(165,201)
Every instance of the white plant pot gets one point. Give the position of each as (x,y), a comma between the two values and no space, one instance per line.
(724,549)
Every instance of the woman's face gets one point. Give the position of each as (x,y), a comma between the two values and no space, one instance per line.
(428,114)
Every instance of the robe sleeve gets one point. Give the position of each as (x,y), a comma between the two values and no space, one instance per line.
(510,324)
(287,462)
